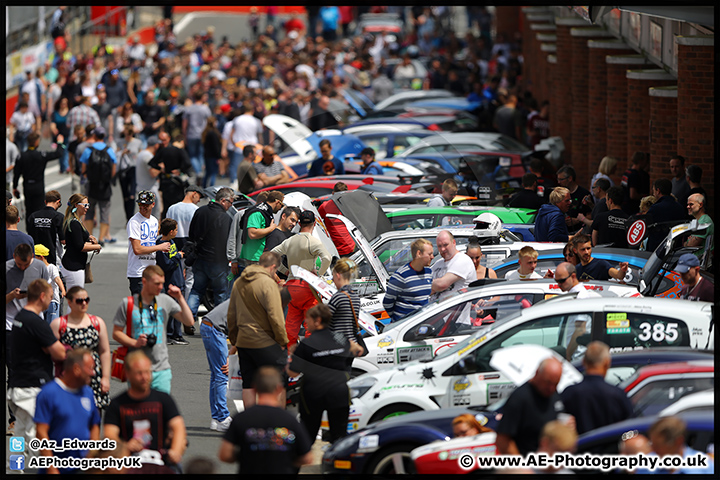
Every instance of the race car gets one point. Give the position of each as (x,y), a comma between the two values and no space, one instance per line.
(440,325)
(462,376)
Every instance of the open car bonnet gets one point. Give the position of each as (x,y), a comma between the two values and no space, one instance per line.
(666,255)
(520,362)
(382,275)
(361,208)
(326,290)
(293,133)
(302,201)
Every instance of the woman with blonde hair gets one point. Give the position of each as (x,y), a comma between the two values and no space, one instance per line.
(78,329)
(78,242)
(646,203)
(607,167)
(345,304)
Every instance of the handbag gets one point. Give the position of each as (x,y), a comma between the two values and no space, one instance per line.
(358,336)
(88,270)
(118,357)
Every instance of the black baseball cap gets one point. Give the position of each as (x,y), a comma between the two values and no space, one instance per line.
(307,217)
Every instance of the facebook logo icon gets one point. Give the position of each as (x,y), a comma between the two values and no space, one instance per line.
(17,462)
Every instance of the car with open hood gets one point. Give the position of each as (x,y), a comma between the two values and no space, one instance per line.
(304,144)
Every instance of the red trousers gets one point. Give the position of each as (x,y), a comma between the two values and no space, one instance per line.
(303,299)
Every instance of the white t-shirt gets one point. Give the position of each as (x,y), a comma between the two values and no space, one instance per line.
(462,266)
(11,156)
(182,213)
(54,273)
(515,275)
(145,230)
(143,180)
(246,129)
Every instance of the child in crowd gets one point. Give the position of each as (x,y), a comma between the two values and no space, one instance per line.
(170,263)
(41,253)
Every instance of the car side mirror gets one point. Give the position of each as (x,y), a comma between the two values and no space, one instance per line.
(421,332)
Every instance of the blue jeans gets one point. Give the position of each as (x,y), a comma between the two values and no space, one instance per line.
(209,273)
(217,355)
(235,160)
(64,161)
(211,171)
(52,312)
(195,152)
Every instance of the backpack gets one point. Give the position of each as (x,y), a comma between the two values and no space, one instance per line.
(99,173)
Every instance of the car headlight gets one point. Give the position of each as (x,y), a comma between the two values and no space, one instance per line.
(360,385)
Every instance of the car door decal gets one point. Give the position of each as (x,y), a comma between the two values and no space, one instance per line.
(409,354)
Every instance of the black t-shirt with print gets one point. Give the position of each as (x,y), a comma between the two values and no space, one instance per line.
(145,419)
(270,440)
(611,227)
(597,269)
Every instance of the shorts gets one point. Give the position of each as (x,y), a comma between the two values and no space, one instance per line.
(251,359)
(103,205)
(161,380)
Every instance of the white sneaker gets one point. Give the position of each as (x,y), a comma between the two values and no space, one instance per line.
(214,424)
(224,425)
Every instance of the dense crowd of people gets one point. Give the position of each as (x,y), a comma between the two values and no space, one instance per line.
(170,119)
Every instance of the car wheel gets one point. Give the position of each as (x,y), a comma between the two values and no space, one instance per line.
(392,459)
(393,411)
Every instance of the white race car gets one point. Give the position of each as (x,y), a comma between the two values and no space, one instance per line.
(462,376)
(439,326)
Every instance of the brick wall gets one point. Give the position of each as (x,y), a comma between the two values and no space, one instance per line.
(580,100)
(638,106)
(534,18)
(561,99)
(534,81)
(617,94)
(696,107)
(507,21)
(663,130)
(545,77)
(598,97)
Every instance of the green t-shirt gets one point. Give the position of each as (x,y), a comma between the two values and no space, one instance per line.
(252,249)
(710,231)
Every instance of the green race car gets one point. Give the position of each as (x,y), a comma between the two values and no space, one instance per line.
(423,217)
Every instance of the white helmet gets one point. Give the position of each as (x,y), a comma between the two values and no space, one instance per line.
(488,221)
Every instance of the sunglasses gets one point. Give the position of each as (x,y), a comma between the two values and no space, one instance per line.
(80,301)
(561,280)
(86,205)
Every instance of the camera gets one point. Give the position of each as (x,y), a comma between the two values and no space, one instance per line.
(151,340)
